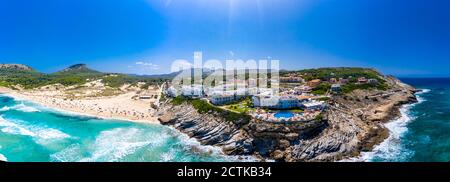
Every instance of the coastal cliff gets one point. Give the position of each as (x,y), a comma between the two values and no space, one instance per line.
(261,139)
(353,123)
(356,123)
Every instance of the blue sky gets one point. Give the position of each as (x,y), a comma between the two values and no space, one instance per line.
(400,37)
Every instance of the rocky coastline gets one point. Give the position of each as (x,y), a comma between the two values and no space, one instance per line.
(353,123)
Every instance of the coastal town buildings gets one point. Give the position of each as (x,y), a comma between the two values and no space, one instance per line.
(336,88)
(194,91)
(343,81)
(275,102)
(252,82)
(226,97)
(171,92)
(314,105)
(333,80)
(291,79)
(362,80)
(266,102)
(302,89)
(221,99)
(372,81)
(314,83)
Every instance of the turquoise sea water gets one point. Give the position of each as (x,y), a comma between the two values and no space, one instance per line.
(29,132)
(423,132)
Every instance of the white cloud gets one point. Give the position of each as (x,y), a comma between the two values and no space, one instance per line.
(148,65)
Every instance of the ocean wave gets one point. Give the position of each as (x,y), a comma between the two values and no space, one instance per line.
(391,149)
(13,128)
(419,97)
(20,107)
(15,97)
(41,134)
(3,158)
(424,91)
(68,154)
(192,145)
(114,145)
(164,145)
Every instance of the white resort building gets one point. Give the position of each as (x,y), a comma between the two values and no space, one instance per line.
(221,99)
(336,88)
(226,97)
(192,91)
(275,102)
(171,92)
(314,105)
(188,91)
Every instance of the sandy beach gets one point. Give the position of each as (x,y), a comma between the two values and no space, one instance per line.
(121,107)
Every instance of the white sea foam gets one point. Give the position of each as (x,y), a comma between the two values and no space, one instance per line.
(192,143)
(13,128)
(15,97)
(116,144)
(69,154)
(41,134)
(20,107)
(113,145)
(3,158)
(50,133)
(168,156)
(391,149)
(418,95)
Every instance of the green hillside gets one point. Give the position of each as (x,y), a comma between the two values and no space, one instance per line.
(351,74)
(28,78)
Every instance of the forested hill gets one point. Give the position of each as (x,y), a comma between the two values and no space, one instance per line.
(18,75)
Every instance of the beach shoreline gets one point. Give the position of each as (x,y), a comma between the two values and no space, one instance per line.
(90,107)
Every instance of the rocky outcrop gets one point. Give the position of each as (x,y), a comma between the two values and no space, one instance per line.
(15,67)
(352,123)
(207,128)
(355,123)
(261,139)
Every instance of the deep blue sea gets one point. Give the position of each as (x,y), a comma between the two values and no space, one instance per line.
(423,132)
(30,132)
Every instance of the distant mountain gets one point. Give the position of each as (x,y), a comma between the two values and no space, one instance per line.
(12,75)
(16,67)
(166,76)
(77,69)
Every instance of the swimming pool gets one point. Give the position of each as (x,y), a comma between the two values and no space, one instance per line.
(284,114)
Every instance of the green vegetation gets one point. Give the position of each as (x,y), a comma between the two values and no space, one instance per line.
(26,78)
(163,97)
(351,74)
(75,75)
(321,89)
(203,106)
(297,110)
(347,88)
(319,117)
(242,106)
(179,100)
(344,72)
(323,99)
